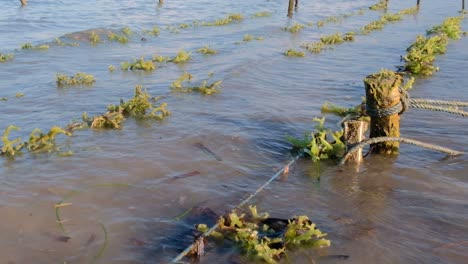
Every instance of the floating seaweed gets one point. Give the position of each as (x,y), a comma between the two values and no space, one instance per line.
(330,108)
(141,106)
(183,25)
(263,238)
(13,147)
(29,46)
(183,85)
(451,26)
(138,64)
(207,50)
(80,78)
(296,27)
(59,42)
(159,58)
(421,54)
(127,31)
(94,37)
(111,68)
(19,95)
(5,57)
(181,57)
(109,120)
(116,37)
(381,5)
(155,31)
(294,53)
(232,18)
(40,142)
(248,37)
(318,145)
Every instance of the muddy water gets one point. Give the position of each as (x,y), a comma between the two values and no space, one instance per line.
(408,210)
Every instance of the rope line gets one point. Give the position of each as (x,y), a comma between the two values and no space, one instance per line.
(375,140)
(438,102)
(439,108)
(242,203)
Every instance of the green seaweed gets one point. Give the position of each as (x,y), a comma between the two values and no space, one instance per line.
(330,108)
(104,244)
(13,147)
(94,38)
(422,53)
(155,31)
(159,58)
(207,50)
(294,53)
(181,57)
(111,68)
(19,95)
(381,5)
(261,242)
(109,120)
(80,78)
(141,106)
(138,64)
(409,11)
(116,37)
(127,31)
(59,42)
(451,27)
(29,46)
(296,27)
(318,144)
(183,85)
(232,18)
(40,142)
(314,47)
(5,57)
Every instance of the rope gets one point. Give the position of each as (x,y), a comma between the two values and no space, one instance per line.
(242,203)
(384,112)
(375,140)
(440,109)
(438,102)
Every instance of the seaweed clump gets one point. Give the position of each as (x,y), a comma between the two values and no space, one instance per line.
(138,64)
(181,57)
(141,106)
(29,46)
(207,50)
(13,147)
(262,238)
(451,26)
(183,85)
(80,78)
(318,144)
(297,27)
(5,57)
(422,54)
(231,18)
(382,4)
(294,53)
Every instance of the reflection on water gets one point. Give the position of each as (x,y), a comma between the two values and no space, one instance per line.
(125,190)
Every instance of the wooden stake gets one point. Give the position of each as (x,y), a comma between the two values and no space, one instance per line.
(353,134)
(24,2)
(291,8)
(463,4)
(382,93)
(417,2)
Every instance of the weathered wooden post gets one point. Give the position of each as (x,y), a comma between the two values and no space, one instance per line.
(353,134)
(383,106)
(463,4)
(297,3)
(417,3)
(24,2)
(290,8)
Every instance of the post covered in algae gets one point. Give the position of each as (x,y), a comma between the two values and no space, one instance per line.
(383,106)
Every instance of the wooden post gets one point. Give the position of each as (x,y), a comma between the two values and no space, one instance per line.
(383,106)
(24,2)
(417,3)
(290,8)
(297,3)
(463,4)
(353,134)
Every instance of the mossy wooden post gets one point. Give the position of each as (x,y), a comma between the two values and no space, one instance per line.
(382,104)
(353,134)
(290,8)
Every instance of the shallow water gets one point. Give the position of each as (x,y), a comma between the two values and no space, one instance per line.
(408,210)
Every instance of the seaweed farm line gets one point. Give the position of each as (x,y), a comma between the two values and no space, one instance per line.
(198,99)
